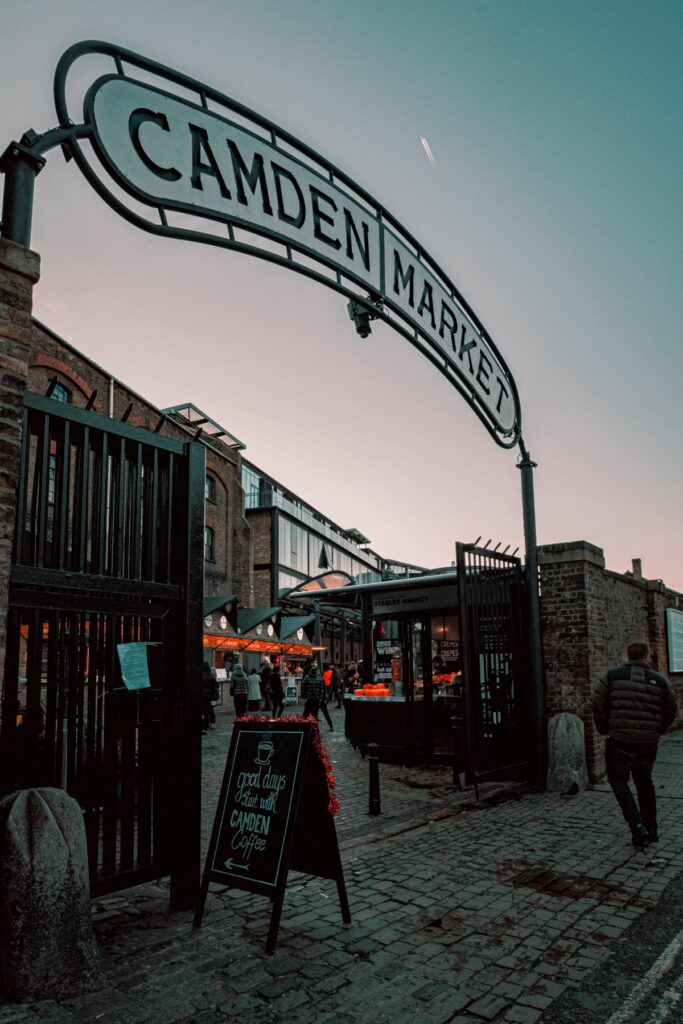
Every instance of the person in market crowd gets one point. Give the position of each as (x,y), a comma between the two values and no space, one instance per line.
(277,692)
(633,706)
(335,681)
(327,679)
(209,695)
(351,677)
(254,691)
(239,687)
(312,692)
(266,671)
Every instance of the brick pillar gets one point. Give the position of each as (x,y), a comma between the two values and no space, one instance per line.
(572,610)
(19,271)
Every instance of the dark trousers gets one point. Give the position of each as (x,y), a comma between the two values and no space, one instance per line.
(637,762)
(240,704)
(278,706)
(311,708)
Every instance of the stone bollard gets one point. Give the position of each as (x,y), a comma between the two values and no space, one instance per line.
(567,771)
(48,947)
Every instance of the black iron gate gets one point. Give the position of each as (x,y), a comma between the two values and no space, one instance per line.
(495,656)
(108,551)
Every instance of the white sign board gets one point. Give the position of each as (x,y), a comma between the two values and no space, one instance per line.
(674,636)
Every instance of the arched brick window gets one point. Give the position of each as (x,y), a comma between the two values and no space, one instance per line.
(209,544)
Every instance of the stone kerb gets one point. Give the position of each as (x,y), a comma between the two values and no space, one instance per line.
(19,271)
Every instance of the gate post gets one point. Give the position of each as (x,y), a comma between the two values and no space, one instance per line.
(526,466)
(19,271)
(185,831)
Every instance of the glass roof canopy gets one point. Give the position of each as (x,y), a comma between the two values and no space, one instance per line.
(194,417)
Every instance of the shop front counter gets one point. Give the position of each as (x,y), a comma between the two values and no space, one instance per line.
(404,731)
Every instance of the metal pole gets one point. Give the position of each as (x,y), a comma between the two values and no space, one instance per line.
(318,635)
(342,642)
(470,671)
(526,466)
(20,167)
(374,802)
(20,163)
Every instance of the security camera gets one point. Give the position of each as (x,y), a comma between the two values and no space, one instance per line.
(361,318)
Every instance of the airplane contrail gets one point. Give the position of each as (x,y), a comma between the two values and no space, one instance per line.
(428,150)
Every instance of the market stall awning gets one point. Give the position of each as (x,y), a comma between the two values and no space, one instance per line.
(291,624)
(250,618)
(226,602)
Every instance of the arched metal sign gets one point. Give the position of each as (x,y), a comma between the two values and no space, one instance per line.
(186,161)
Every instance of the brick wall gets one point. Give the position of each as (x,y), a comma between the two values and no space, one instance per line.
(261,522)
(588,617)
(19,271)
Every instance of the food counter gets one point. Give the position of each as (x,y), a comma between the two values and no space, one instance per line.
(404,730)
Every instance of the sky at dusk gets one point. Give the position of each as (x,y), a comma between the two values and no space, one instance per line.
(549,191)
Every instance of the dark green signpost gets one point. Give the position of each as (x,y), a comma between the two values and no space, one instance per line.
(272,817)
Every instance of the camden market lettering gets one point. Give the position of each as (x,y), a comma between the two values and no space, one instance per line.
(213,171)
(420,296)
(164,150)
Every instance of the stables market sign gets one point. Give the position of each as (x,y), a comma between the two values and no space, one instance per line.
(186,161)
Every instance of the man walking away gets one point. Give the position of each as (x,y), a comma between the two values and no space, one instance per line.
(633,706)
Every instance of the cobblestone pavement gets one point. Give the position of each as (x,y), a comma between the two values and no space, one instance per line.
(462,913)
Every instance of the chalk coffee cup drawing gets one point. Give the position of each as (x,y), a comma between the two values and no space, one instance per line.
(265,752)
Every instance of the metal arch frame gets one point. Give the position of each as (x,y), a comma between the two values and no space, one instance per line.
(372,303)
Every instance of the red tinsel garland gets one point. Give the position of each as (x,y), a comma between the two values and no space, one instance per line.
(333,804)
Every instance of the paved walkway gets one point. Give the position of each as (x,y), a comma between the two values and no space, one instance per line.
(461,914)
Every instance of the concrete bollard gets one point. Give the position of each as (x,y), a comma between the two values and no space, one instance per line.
(374,803)
(48,947)
(567,771)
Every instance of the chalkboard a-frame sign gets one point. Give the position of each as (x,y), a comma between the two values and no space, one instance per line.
(272,817)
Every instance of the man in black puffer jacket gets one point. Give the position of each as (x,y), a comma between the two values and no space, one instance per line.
(633,706)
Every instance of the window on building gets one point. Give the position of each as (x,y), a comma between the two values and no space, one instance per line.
(209,488)
(209,541)
(60,393)
(250,483)
(51,478)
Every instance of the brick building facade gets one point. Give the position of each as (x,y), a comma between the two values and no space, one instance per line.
(588,617)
